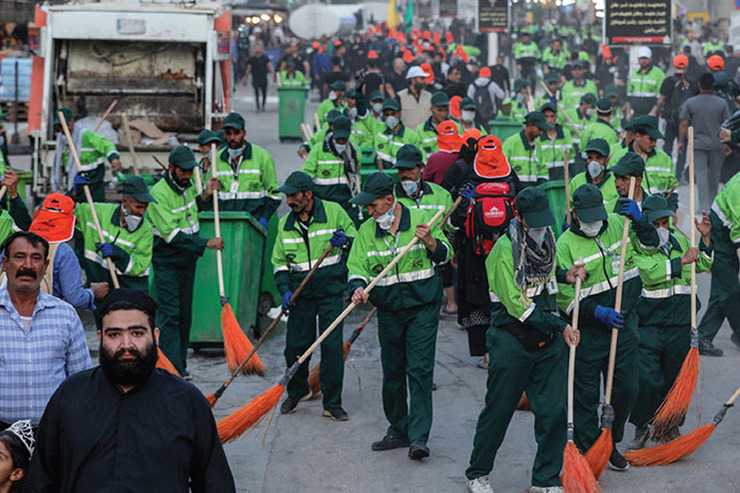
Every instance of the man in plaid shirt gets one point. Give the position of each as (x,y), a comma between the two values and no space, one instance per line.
(42,341)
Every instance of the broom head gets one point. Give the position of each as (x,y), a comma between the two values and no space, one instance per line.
(237,345)
(313,377)
(164,363)
(671,451)
(599,453)
(235,424)
(672,411)
(523,404)
(577,474)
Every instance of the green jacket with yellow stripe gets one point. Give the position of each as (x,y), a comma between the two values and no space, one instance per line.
(428,137)
(326,106)
(7,226)
(550,152)
(331,179)
(94,150)
(523,160)
(413,281)
(387,143)
(600,129)
(727,207)
(606,185)
(660,174)
(432,198)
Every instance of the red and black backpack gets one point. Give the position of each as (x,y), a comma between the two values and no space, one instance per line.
(489,214)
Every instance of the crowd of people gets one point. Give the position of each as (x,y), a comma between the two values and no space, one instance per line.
(422,109)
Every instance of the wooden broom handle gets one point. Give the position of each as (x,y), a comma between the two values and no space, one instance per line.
(88,196)
(566,175)
(2,191)
(105,115)
(130,143)
(733,398)
(692,229)
(618,302)
(572,355)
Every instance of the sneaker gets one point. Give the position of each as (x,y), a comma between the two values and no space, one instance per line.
(479,485)
(389,442)
(735,340)
(418,450)
(617,461)
(336,414)
(290,404)
(672,434)
(641,437)
(545,489)
(706,348)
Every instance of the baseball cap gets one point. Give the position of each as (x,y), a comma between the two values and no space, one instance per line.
(484,72)
(631,164)
(67,115)
(610,91)
(409,156)
(467,103)
(338,85)
(533,205)
(391,104)
(537,118)
(440,98)
(580,64)
(297,181)
(644,52)
(520,84)
(55,221)
(552,76)
(648,125)
(490,161)
(342,127)
(376,96)
(448,138)
(376,185)
(415,71)
(656,207)
(589,203)
(599,145)
(716,63)
(234,120)
(206,137)
(183,157)
(681,61)
(332,116)
(604,105)
(589,98)
(548,106)
(134,186)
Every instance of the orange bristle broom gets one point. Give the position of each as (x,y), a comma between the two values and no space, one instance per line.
(672,411)
(164,363)
(234,425)
(681,446)
(599,453)
(213,398)
(313,377)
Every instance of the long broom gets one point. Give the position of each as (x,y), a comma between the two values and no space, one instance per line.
(681,446)
(672,411)
(577,474)
(234,425)
(314,380)
(599,453)
(213,398)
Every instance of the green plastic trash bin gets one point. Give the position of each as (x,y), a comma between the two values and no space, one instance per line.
(269,295)
(291,112)
(24,178)
(555,191)
(243,238)
(504,127)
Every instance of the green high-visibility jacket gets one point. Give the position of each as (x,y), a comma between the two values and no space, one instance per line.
(428,137)
(550,152)
(387,143)
(413,281)
(296,250)
(727,207)
(331,178)
(606,185)
(660,174)
(557,60)
(431,198)
(94,150)
(580,122)
(600,129)
(518,111)
(174,218)
(7,226)
(643,88)
(251,186)
(526,53)
(298,80)
(132,251)
(617,148)
(513,307)
(601,258)
(523,160)
(570,94)
(616,119)
(666,284)
(710,47)
(461,129)
(362,131)
(326,106)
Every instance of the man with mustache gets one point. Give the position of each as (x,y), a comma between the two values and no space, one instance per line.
(41,337)
(126,425)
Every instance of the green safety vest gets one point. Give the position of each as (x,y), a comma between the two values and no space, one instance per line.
(432,198)
(428,137)
(616,120)
(362,131)
(606,185)
(580,122)
(94,150)
(387,143)
(666,285)
(328,173)
(523,160)
(526,53)
(660,174)
(600,129)
(644,89)
(7,225)
(727,207)
(570,94)
(294,254)
(710,47)
(550,152)
(413,281)
(326,106)
(251,187)
(297,81)
(552,59)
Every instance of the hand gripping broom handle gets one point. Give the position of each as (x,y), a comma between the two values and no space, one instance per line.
(572,356)
(274,323)
(692,213)
(618,303)
(560,107)
(105,115)
(76,158)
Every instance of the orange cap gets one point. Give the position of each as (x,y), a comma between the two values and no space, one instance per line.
(471,133)
(490,161)
(427,34)
(427,68)
(372,54)
(716,63)
(408,57)
(448,139)
(55,221)
(606,52)
(315,44)
(681,61)
(484,72)
(455,106)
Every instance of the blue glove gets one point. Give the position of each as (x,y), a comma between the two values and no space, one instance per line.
(609,317)
(630,208)
(79,181)
(105,249)
(287,305)
(564,227)
(263,222)
(338,239)
(467,194)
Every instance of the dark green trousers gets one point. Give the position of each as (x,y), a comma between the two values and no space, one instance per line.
(407,343)
(724,294)
(302,333)
(175,310)
(659,359)
(512,370)
(592,361)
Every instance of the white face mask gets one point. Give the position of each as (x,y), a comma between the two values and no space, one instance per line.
(590,112)
(537,234)
(467,115)
(591,229)
(234,153)
(663,235)
(391,122)
(340,148)
(595,169)
(386,220)
(377,107)
(353,112)
(410,186)
(332,95)
(132,221)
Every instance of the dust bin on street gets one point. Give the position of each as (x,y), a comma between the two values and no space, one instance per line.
(504,127)
(291,112)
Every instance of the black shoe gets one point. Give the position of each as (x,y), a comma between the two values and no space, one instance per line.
(735,340)
(418,450)
(336,414)
(706,348)
(389,442)
(434,386)
(290,404)
(617,461)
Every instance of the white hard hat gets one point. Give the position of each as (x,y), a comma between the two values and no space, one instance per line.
(644,52)
(416,72)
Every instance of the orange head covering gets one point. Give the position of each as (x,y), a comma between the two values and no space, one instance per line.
(315,44)
(490,161)
(606,52)
(372,54)
(448,139)
(427,68)
(55,221)
(437,38)
(455,106)
(471,133)
(449,37)
(427,34)
(484,72)
(408,57)
(716,63)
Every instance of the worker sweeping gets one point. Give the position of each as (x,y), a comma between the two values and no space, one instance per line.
(408,308)
(525,342)
(597,237)
(664,311)
(303,234)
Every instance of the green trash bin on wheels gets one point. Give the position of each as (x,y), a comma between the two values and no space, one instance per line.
(555,191)
(244,240)
(504,127)
(291,112)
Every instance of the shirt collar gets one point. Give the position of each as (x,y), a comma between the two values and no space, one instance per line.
(428,127)
(404,225)
(525,141)
(319,215)
(115,219)
(43,300)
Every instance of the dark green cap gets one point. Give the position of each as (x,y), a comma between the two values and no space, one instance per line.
(610,91)
(534,207)
(604,106)
(376,96)
(655,207)
(67,115)
(548,106)
(289,63)
(206,137)
(183,157)
(342,127)
(599,145)
(391,104)
(552,76)
(589,203)
(409,156)
(378,184)
(297,181)
(520,84)
(134,186)
(332,116)
(631,164)
(537,118)
(352,93)
(588,98)
(647,124)
(440,98)
(234,120)
(338,85)
(467,103)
